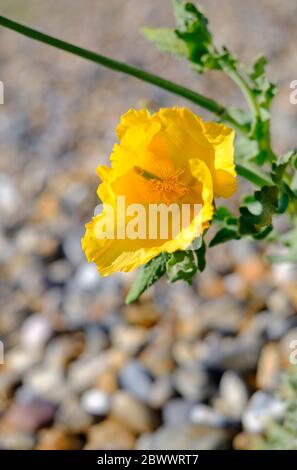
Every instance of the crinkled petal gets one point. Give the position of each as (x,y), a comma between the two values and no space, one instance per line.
(222,139)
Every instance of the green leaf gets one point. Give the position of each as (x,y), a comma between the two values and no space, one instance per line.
(221,214)
(254,206)
(286,158)
(252,220)
(280,165)
(224,235)
(167,40)
(148,275)
(240,116)
(263,89)
(200,255)
(192,28)
(181,266)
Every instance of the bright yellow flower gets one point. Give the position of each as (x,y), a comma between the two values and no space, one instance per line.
(170,157)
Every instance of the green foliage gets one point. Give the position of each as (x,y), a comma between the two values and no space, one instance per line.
(228,227)
(282,435)
(256,214)
(179,266)
(149,274)
(192,29)
(192,40)
(167,40)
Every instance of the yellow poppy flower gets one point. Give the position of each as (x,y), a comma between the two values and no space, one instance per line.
(169,158)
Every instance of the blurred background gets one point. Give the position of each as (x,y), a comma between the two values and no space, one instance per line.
(187,367)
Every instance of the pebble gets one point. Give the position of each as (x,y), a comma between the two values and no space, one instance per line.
(288,349)
(192,384)
(95,402)
(46,383)
(72,247)
(252,269)
(14,440)
(187,437)
(183,353)
(233,395)
(205,415)
(176,411)
(223,315)
(56,439)
(132,413)
(161,391)
(268,372)
(96,340)
(109,435)
(278,302)
(20,359)
(136,380)
(240,353)
(72,416)
(35,332)
(83,373)
(261,408)
(87,278)
(9,196)
(129,338)
(189,326)
(157,358)
(8,380)
(146,316)
(59,272)
(116,359)
(29,416)
(62,350)
(107,381)
(235,285)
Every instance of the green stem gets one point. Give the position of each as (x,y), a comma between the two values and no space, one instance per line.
(265,143)
(207,103)
(246,91)
(257,177)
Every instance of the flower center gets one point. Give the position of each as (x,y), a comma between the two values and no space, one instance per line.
(168,189)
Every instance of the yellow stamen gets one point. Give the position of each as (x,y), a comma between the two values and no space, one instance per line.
(167,189)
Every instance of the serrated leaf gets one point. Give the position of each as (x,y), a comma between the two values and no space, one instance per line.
(286,158)
(148,275)
(256,224)
(181,266)
(192,29)
(167,40)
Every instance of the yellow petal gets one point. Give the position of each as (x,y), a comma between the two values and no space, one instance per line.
(222,137)
(130,119)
